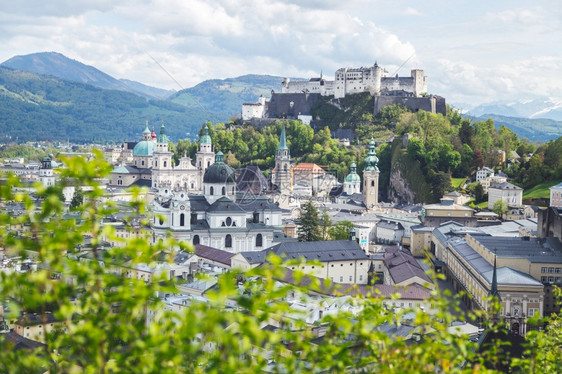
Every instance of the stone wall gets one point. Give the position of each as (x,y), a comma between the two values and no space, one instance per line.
(432,104)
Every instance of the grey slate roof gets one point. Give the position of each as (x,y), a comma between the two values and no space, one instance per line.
(390,225)
(505,186)
(18,342)
(213,254)
(225,205)
(323,251)
(535,250)
(506,275)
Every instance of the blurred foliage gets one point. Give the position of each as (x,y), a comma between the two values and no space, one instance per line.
(105,312)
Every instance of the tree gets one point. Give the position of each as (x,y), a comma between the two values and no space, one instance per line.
(479,192)
(500,207)
(77,198)
(341,230)
(309,223)
(115,323)
(325,225)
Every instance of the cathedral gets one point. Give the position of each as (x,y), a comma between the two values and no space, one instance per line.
(153,165)
(217,218)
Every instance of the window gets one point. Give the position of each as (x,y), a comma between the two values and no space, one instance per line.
(372,183)
(228,221)
(223,190)
(228,241)
(360,277)
(544,270)
(259,241)
(155,163)
(161,221)
(182,219)
(142,162)
(211,191)
(558,270)
(165,163)
(196,240)
(351,278)
(341,278)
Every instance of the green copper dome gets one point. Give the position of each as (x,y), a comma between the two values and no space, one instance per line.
(352,176)
(206,138)
(144,148)
(162,137)
(219,172)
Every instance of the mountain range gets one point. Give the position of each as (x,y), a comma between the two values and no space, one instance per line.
(49,96)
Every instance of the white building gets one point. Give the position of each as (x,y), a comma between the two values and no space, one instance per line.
(483,173)
(511,194)
(556,196)
(217,218)
(373,79)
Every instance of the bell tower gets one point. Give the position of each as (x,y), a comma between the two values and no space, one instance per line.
(283,175)
(371,177)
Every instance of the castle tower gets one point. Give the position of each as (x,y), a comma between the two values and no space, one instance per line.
(282,178)
(371,177)
(352,182)
(46,171)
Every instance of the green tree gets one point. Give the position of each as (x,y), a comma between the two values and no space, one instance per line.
(309,223)
(113,322)
(77,198)
(325,224)
(340,231)
(500,207)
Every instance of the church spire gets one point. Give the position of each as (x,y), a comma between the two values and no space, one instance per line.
(283,150)
(494,289)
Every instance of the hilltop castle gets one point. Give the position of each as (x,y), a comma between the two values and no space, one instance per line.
(297,98)
(372,79)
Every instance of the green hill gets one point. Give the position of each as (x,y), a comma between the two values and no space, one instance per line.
(536,129)
(34,107)
(223,98)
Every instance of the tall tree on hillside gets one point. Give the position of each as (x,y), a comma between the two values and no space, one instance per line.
(309,223)
(325,225)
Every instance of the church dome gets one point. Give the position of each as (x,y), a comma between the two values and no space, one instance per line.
(206,138)
(144,148)
(219,172)
(352,176)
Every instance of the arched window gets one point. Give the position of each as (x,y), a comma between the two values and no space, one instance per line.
(228,241)
(259,240)
(228,221)
(182,219)
(372,183)
(196,240)
(155,163)
(165,163)
(142,162)
(211,191)
(208,163)
(161,221)
(223,190)
(233,190)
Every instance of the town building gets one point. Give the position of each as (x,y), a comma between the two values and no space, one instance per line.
(510,193)
(556,196)
(217,218)
(446,210)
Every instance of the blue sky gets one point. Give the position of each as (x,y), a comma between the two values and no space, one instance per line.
(472,51)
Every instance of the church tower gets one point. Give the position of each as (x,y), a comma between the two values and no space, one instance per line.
(283,176)
(162,163)
(371,177)
(205,157)
(46,171)
(352,182)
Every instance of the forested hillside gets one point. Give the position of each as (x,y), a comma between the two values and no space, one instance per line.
(438,148)
(34,107)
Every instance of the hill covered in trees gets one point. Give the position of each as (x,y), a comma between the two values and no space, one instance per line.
(35,107)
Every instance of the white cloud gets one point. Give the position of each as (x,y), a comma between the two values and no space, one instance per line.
(471,54)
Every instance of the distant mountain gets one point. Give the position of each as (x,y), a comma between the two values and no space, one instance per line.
(533,108)
(537,129)
(57,65)
(39,107)
(223,98)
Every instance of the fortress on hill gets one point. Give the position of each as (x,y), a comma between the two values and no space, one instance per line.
(298,97)
(372,79)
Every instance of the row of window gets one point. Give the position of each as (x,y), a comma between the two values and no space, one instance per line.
(551,279)
(551,270)
(228,240)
